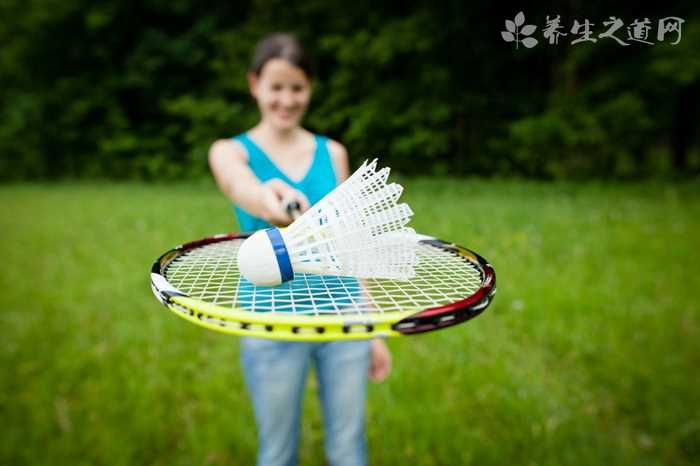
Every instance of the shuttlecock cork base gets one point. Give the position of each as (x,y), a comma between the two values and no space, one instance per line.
(357,230)
(264,259)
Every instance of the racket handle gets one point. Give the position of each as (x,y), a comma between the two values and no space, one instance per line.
(293,209)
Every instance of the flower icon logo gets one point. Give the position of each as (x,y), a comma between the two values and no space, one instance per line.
(514,32)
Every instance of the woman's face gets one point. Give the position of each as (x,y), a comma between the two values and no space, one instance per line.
(282,91)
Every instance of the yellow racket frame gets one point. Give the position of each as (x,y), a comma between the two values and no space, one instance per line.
(295,327)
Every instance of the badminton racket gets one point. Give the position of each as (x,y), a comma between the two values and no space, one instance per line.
(200,282)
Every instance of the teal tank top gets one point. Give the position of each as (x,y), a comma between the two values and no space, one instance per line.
(311,293)
(318,181)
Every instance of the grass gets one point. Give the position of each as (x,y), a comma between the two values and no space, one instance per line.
(589,354)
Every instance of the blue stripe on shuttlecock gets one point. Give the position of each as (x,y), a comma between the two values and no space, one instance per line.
(281,254)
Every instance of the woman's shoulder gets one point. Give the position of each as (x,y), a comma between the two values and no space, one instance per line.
(335,149)
(339,157)
(228,148)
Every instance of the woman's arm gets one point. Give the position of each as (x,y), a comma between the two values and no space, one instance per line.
(229,165)
(380,364)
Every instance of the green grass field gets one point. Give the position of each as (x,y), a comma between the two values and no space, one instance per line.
(590,353)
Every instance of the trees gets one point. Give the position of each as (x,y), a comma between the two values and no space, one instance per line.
(140,89)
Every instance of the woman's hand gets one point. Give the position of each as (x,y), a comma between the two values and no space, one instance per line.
(275,195)
(380,364)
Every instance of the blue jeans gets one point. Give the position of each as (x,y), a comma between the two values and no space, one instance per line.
(275,374)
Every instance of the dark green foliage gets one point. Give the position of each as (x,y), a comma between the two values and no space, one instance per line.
(141,89)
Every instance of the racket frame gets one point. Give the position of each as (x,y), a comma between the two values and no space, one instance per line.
(320,328)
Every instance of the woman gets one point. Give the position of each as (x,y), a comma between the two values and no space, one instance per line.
(261,171)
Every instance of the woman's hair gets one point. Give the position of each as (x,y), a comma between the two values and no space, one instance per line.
(281,45)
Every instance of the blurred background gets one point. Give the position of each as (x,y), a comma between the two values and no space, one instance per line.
(572,167)
(125,89)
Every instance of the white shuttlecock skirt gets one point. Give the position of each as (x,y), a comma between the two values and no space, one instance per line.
(357,230)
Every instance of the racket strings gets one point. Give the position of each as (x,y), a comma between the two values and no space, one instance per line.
(210,274)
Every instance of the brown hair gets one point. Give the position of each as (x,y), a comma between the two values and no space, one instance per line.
(280,45)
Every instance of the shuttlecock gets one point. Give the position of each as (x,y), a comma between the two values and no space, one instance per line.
(356,230)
